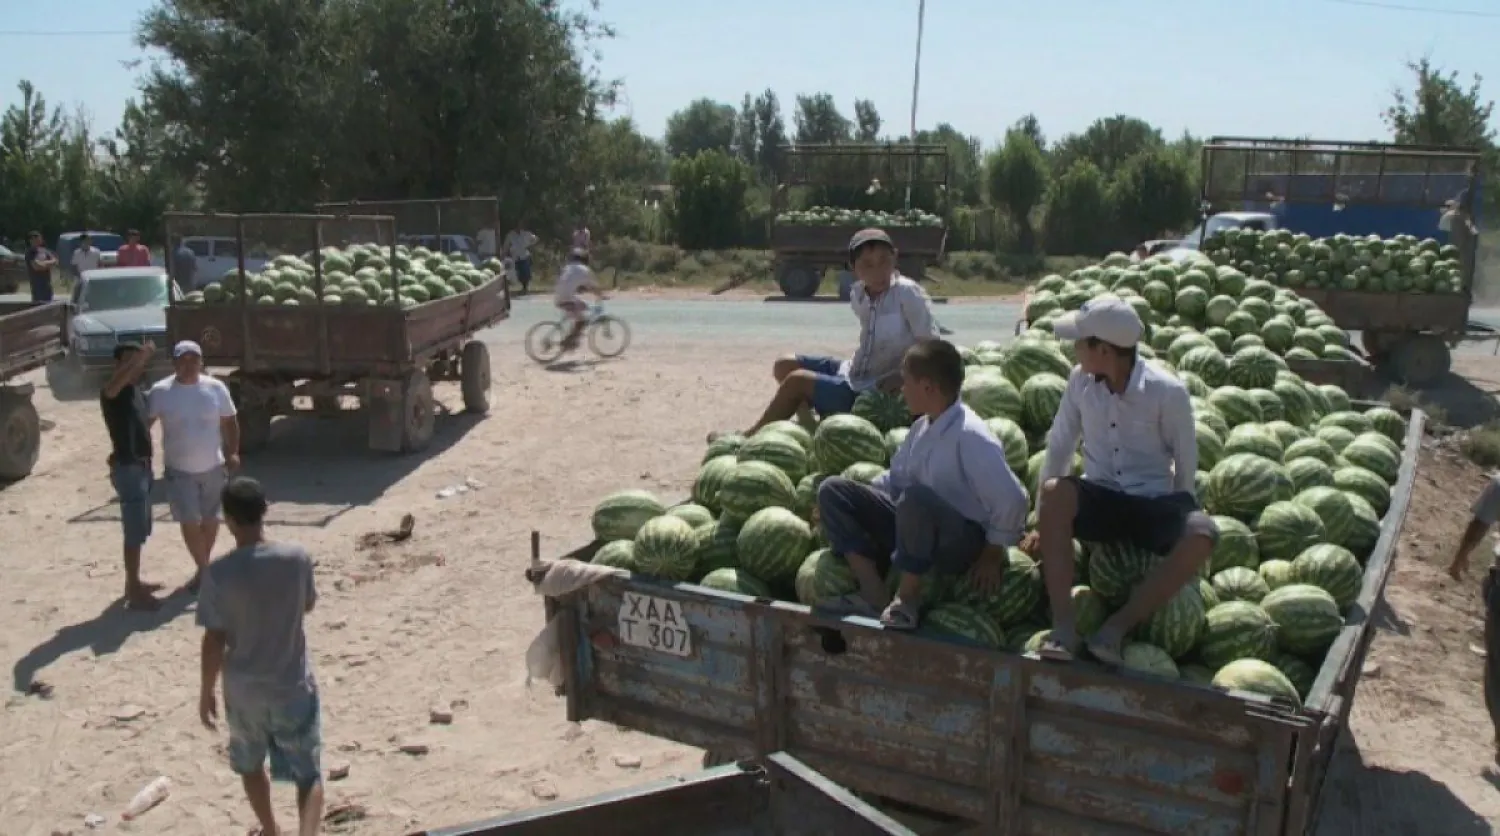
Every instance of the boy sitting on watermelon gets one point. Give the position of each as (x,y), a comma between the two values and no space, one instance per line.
(948,504)
(1140,451)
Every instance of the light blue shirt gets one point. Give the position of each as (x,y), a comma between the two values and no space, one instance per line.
(889,324)
(961,461)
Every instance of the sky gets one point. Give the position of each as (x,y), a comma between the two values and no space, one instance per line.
(1318,68)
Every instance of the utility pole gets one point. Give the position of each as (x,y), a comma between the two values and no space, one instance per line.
(916,85)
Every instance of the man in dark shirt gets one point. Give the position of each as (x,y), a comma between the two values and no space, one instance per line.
(39,264)
(124,405)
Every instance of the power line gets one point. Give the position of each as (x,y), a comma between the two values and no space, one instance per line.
(1401,7)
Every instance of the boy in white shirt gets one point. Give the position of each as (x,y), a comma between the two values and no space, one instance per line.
(576,277)
(518,244)
(85,256)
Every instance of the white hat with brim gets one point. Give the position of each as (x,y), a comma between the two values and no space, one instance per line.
(1107,318)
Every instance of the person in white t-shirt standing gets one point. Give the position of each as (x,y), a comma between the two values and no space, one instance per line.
(200,442)
(576,278)
(85,256)
(582,238)
(518,243)
(485,241)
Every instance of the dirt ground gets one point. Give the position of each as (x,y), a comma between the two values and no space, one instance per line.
(441,621)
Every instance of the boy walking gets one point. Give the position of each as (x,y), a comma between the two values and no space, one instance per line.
(123,403)
(251,608)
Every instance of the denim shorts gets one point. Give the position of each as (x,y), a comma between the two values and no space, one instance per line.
(132,484)
(290,733)
(832,394)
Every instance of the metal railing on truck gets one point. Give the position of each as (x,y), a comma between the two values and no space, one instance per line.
(1015,745)
(424,222)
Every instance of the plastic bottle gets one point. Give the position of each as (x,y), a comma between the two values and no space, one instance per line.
(151,795)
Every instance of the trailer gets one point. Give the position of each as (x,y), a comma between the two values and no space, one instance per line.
(1322,188)
(278,358)
(987,738)
(781,797)
(847,171)
(32,335)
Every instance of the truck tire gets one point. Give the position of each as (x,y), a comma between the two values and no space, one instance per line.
(20,436)
(798,279)
(474,377)
(418,415)
(1421,360)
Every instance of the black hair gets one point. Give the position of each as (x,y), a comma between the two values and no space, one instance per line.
(122,349)
(1129,353)
(136,233)
(244,501)
(34,234)
(938,362)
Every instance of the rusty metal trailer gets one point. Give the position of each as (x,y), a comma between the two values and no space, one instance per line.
(384,356)
(781,797)
(31,336)
(802,252)
(1010,744)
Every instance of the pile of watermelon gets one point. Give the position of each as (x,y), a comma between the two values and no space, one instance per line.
(1403,264)
(833,216)
(356,275)
(1297,477)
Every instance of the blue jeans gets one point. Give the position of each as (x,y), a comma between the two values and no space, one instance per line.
(41,288)
(132,484)
(916,534)
(290,733)
(832,394)
(523,272)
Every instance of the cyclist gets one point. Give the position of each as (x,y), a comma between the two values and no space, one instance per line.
(576,277)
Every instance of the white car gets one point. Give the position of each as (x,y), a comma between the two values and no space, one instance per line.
(212,257)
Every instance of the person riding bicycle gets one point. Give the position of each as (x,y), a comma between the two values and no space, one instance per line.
(576,277)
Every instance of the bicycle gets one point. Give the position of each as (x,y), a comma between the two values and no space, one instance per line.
(608,336)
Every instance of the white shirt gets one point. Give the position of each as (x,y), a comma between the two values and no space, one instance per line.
(86,258)
(485,240)
(581,238)
(961,461)
(190,415)
(574,278)
(888,326)
(519,244)
(1142,441)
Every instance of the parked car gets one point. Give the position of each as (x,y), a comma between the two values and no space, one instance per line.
(110,306)
(448,244)
(107,243)
(213,256)
(12,270)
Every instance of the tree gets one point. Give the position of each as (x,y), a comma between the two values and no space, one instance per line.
(965,168)
(1440,110)
(1032,128)
(33,139)
(1079,216)
(772,133)
(1017,177)
(708,205)
(1152,192)
(866,121)
(703,125)
(818,120)
(1107,143)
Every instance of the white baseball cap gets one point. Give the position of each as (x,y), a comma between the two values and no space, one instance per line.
(186,347)
(1108,318)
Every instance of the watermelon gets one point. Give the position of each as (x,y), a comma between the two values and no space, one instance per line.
(1333,507)
(1285,529)
(779,449)
(1313,448)
(1236,405)
(1236,630)
(1210,597)
(806,495)
(1013,439)
(693,514)
(1207,363)
(790,429)
(1240,583)
(713,546)
(664,548)
(1366,452)
(773,543)
(726,444)
(991,396)
(1148,658)
(1257,677)
(1028,358)
(1089,610)
(737,581)
(620,515)
(1296,404)
(1307,618)
(752,486)
(1041,395)
(965,622)
(1115,569)
(619,554)
(1336,437)
(1364,484)
(1301,674)
(864,473)
(894,439)
(1388,422)
(1332,569)
(885,410)
(1366,528)
(1176,626)
(1242,485)
(1308,473)
(1210,447)
(1276,573)
(1354,422)
(1236,546)
(1256,439)
(711,477)
(1020,590)
(1254,367)
(1018,639)
(822,576)
(842,440)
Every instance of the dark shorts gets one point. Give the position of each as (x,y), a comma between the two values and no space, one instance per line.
(132,484)
(832,394)
(41,288)
(523,271)
(1154,523)
(291,734)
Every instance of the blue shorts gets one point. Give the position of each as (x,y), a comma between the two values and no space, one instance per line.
(832,394)
(523,271)
(133,486)
(291,734)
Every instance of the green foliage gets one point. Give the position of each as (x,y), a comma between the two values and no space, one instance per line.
(704,125)
(1079,214)
(1153,191)
(1017,177)
(709,204)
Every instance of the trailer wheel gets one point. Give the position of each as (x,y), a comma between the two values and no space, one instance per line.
(20,436)
(1421,359)
(474,377)
(254,417)
(418,420)
(912,267)
(798,279)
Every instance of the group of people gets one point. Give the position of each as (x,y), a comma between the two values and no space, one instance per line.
(950,503)
(40,261)
(251,600)
(517,244)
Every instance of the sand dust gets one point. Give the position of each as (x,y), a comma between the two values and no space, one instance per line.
(438,622)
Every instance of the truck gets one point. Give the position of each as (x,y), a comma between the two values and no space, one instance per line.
(868,173)
(1322,188)
(276,357)
(32,335)
(980,738)
(781,797)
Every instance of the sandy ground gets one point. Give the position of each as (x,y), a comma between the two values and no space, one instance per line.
(442,620)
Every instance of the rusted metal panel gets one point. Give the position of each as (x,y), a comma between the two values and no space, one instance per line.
(445,323)
(1359,310)
(807,238)
(1359,379)
(31,335)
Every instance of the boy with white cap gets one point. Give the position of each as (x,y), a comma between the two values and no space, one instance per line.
(1140,452)
(200,443)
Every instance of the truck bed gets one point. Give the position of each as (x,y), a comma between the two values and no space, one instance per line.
(1358,310)
(31,335)
(819,239)
(323,340)
(1016,745)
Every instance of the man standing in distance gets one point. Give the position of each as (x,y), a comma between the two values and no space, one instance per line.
(200,442)
(124,407)
(85,256)
(251,609)
(39,264)
(133,253)
(518,243)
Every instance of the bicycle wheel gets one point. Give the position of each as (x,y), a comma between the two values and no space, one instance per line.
(544,342)
(609,336)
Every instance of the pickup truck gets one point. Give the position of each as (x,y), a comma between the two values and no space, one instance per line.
(988,738)
(31,336)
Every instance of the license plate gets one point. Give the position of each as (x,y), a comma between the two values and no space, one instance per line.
(655,624)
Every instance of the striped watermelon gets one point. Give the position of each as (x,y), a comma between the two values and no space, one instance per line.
(620,515)
(1334,508)
(1296,405)
(822,576)
(1148,658)
(1239,583)
(723,445)
(1020,590)
(752,486)
(1308,473)
(1366,452)
(1286,433)
(885,410)
(1366,485)
(1354,422)
(991,395)
(1388,422)
(1210,447)
(1013,439)
(1206,413)
(1028,358)
(773,543)
(1307,618)
(1236,630)
(1336,437)
(842,440)
(1195,385)
(1236,546)
(1041,395)
(1366,528)
(965,622)
(1116,568)
(1089,610)
(790,429)
(1276,573)
(1236,405)
(1336,398)
(1332,569)
(1018,638)
(1299,673)
(1176,626)
(1311,448)
(617,553)
(737,581)
(1243,485)
(1285,529)
(1210,597)
(691,513)
(864,473)
(1254,367)
(1270,405)
(806,495)
(1257,439)
(664,548)
(779,449)
(711,477)
(713,547)
(1257,677)
(1207,363)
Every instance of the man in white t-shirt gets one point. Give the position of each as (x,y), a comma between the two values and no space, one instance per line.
(518,244)
(200,442)
(576,278)
(485,241)
(85,256)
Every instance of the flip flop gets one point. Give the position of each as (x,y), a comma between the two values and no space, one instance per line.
(900,616)
(1107,651)
(845,605)
(1056,650)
